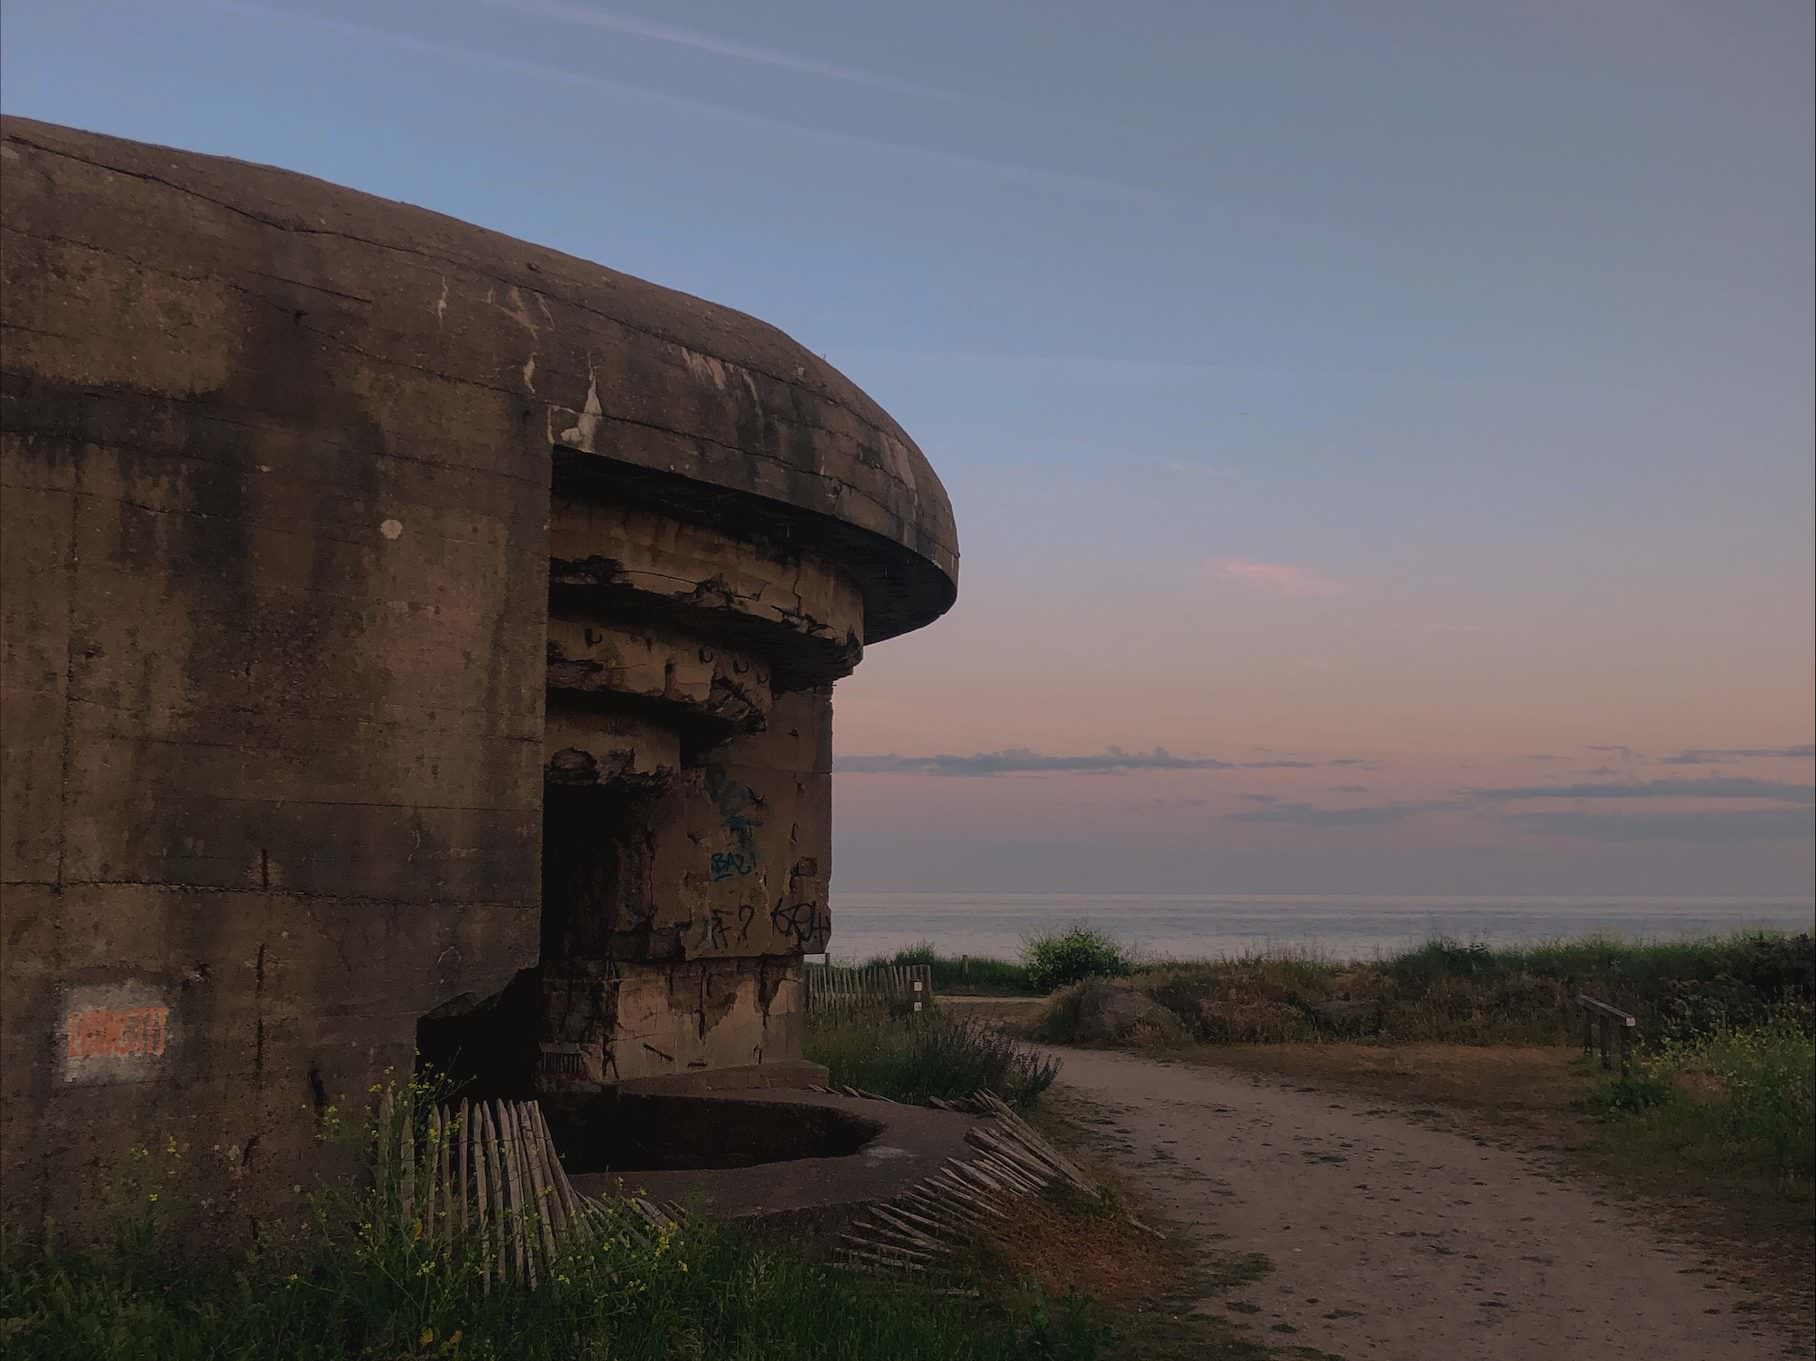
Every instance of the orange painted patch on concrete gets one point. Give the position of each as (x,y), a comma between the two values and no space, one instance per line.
(124,1033)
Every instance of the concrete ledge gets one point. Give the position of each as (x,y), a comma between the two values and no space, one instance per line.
(810,1200)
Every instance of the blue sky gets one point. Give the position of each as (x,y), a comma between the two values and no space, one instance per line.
(1428,384)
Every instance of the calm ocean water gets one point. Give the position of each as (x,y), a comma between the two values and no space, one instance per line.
(1186,927)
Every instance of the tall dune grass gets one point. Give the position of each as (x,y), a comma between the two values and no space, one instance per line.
(914,1058)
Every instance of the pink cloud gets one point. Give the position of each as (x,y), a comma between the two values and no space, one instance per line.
(1279,577)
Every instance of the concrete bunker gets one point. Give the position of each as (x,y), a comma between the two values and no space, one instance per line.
(413,638)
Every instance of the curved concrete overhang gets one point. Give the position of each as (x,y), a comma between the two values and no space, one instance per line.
(646,393)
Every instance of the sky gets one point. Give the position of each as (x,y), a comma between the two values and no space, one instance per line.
(1381,435)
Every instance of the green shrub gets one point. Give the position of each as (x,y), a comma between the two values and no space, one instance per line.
(1768,1076)
(1061,958)
(1738,1100)
(931,1055)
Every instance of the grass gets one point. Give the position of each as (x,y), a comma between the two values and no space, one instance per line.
(1049,960)
(932,1055)
(361,1285)
(710,1292)
(965,974)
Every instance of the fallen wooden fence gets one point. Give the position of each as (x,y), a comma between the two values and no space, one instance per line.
(485,1177)
(1610,1021)
(934,1221)
(835,987)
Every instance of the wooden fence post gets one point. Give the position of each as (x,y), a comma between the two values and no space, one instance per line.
(1605,1019)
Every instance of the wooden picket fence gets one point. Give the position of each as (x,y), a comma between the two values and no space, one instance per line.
(836,987)
(484,1176)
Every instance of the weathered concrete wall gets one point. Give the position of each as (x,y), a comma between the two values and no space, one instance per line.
(300,657)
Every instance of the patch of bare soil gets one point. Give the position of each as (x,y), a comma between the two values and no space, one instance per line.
(1531,1098)
(1159,1288)
(1402,1230)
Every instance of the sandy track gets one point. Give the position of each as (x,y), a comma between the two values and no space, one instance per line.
(1392,1240)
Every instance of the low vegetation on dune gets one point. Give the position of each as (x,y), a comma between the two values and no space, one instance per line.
(976,975)
(1447,991)
(916,1058)
(1048,960)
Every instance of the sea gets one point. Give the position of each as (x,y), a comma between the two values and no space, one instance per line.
(1347,927)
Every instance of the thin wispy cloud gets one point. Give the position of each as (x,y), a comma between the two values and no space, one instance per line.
(1776,791)
(1278,577)
(1022,761)
(1710,756)
(1309,815)
(795,63)
(1715,826)
(1623,754)
(1008,172)
(1112,761)
(1724,827)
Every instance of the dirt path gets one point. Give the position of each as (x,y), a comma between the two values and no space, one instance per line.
(1391,1240)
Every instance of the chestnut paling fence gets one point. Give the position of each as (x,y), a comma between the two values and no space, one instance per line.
(484,1177)
(837,987)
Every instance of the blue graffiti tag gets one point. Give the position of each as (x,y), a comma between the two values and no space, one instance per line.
(732,800)
(727,863)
